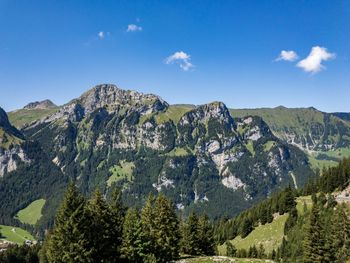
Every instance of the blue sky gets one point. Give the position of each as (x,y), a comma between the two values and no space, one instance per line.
(185,51)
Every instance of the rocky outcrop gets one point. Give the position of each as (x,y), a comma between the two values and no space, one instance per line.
(44,104)
(11,152)
(9,159)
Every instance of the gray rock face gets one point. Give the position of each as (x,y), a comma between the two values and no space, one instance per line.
(112,99)
(44,104)
(9,159)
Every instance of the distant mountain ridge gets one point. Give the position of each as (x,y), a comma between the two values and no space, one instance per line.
(307,128)
(199,156)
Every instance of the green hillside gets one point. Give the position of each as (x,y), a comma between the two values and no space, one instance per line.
(15,234)
(32,213)
(269,235)
(21,117)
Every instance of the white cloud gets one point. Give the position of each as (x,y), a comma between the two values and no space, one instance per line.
(287,55)
(182,59)
(133,28)
(101,34)
(313,62)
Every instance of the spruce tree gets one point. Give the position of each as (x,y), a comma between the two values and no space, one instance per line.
(340,234)
(190,236)
(117,209)
(314,242)
(70,240)
(135,244)
(206,236)
(230,249)
(148,224)
(166,230)
(246,227)
(102,227)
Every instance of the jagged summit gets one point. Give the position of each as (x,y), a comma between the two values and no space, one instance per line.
(110,96)
(214,109)
(44,104)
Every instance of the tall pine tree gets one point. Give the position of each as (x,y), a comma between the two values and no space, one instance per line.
(340,234)
(190,236)
(206,236)
(314,243)
(135,244)
(70,240)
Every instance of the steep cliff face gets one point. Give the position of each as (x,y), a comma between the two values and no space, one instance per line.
(11,152)
(200,157)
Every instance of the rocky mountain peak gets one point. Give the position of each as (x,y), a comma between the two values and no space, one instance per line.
(44,104)
(111,97)
(214,110)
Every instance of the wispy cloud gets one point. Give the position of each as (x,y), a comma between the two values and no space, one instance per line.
(287,55)
(181,58)
(313,62)
(133,28)
(101,34)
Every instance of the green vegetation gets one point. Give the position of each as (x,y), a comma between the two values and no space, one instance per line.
(321,159)
(280,118)
(174,113)
(179,152)
(7,140)
(19,118)
(250,147)
(269,235)
(320,164)
(32,213)
(308,127)
(216,259)
(122,171)
(268,145)
(15,234)
(301,201)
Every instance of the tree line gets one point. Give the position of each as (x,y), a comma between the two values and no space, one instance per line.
(94,230)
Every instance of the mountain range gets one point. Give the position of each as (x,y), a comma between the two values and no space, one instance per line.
(205,158)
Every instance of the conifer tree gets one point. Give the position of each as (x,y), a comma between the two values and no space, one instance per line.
(230,249)
(135,244)
(206,238)
(190,236)
(102,227)
(314,243)
(147,221)
(261,251)
(161,227)
(70,240)
(117,209)
(166,230)
(340,234)
(246,227)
